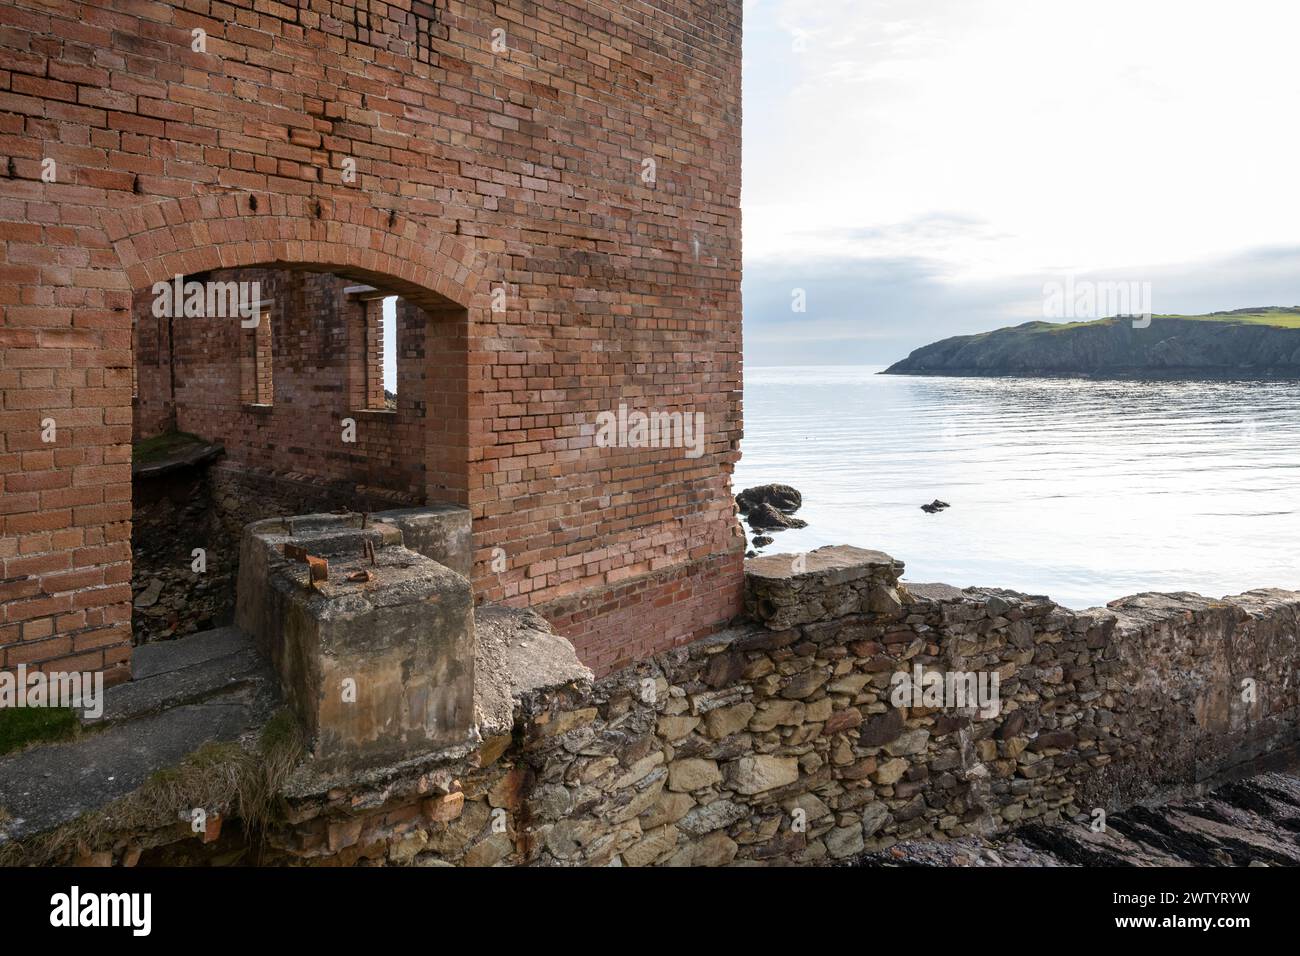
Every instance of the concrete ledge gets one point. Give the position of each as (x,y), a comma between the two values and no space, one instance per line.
(440,532)
(185,685)
(161,657)
(48,786)
(531,657)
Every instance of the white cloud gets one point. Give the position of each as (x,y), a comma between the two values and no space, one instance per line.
(1030,136)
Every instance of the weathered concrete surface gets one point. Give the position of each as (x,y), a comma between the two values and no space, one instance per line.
(43,787)
(532,656)
(167,656)
(379,670)
(440,532)
(521,666)
(520,659)
(171,673)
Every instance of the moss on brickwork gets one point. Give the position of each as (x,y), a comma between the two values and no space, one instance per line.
(161,447)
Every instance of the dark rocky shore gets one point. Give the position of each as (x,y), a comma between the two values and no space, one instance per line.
(1252,822)
(768,508)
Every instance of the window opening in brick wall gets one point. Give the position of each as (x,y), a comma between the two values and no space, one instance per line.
(256,386)
(388,364)
(372,349)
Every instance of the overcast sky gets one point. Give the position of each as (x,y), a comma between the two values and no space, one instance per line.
(921,168)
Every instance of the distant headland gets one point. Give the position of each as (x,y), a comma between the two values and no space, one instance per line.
(1245,343)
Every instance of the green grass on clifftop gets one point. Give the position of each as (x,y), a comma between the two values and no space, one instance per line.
(1278,318)
(1275,316)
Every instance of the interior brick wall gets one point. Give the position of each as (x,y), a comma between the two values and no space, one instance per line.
(519,169)
(276,394)
(154,410)
(366,349)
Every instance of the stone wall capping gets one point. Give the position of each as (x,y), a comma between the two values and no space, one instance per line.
(838,562)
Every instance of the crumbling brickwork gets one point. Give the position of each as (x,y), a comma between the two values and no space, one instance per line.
(565,176)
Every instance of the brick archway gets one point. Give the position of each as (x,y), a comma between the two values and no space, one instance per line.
(443,276)
(157,241)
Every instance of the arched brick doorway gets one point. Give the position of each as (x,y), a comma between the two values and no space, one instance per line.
(248,235)
(434,271)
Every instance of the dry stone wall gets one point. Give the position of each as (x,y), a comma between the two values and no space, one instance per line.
(779,742)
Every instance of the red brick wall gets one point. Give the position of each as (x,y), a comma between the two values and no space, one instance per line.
(476,169)
(644,615)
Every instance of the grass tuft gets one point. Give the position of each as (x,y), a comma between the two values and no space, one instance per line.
(233,779)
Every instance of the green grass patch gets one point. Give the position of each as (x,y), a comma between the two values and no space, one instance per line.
(20,726)
(1067,326)
(1274,317)
(234,779)
(1277,318)
(161,447)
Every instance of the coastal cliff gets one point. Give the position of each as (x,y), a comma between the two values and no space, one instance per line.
(1249,343)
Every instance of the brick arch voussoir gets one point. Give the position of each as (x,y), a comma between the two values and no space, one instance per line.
(157,241)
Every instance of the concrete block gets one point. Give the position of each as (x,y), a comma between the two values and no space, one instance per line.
(440,532)
(378,670)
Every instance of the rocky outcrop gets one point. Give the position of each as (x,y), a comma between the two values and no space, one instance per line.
(1246,823)
(781,497)
(764,517)
(768,508)
(1170,347)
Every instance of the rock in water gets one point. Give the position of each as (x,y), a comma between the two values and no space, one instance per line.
(764,517)
(762,540)
(781,497)
(934,506)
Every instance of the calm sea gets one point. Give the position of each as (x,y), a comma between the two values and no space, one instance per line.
(1084,491)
